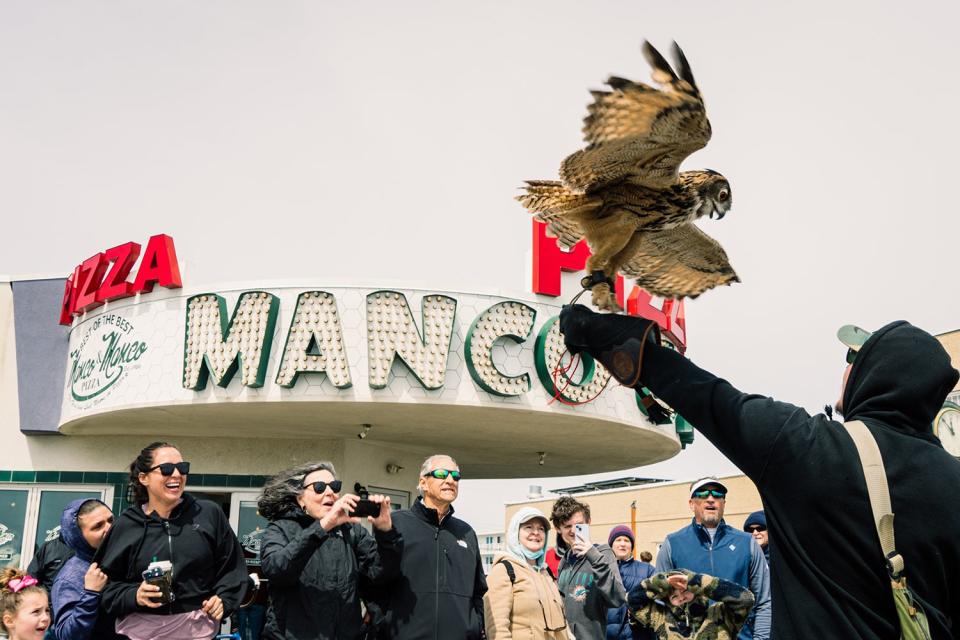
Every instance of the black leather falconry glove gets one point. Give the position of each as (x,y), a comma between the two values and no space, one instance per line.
(616,341)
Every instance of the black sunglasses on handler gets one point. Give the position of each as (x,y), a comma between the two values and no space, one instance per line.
(320,486)
(851,356)
(441,474)
(166,468)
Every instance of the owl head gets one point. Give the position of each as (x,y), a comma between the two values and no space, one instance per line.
(713,191)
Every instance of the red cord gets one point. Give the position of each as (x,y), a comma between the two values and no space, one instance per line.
(567,373)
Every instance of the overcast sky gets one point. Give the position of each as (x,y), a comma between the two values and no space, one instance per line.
(362,140)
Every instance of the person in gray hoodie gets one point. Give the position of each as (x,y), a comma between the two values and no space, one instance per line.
(588,576)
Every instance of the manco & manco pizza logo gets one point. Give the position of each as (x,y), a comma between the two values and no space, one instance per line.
(107,353)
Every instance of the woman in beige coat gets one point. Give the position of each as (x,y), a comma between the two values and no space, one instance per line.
(522,600)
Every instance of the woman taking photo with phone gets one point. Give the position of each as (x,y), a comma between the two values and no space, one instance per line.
(522,599)
(314,552)
(200,572)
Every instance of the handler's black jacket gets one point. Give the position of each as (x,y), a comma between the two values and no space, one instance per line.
(197,539)
(827,569)
(439,593)
(314,576)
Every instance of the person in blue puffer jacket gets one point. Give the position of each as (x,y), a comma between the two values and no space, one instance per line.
(77,588)
(632,572)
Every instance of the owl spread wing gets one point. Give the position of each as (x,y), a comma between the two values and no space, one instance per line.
(638,131)
(678,262)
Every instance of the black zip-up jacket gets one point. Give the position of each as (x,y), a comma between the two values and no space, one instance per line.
(827,569)
(49,560)
(314,576)
(197,539)
(439,593)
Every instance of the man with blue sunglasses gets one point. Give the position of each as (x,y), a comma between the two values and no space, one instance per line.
(710,546)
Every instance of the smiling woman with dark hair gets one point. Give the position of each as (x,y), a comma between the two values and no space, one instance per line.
(208,575)
(315,554)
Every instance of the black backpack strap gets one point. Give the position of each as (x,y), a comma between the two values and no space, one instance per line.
(509,567)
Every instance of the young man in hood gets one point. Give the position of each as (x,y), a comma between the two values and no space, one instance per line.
(77,588)
(828,572)
(588,576)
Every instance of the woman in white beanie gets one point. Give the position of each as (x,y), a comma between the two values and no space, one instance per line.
(522,599)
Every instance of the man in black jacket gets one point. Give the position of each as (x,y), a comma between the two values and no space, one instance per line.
(828,571)
(440,591)
(49,560)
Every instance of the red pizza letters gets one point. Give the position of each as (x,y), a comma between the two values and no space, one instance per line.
(549,260)
(92,284)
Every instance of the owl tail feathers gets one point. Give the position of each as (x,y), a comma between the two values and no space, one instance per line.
(560,207)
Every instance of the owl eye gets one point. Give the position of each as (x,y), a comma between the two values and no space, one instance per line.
(723,195)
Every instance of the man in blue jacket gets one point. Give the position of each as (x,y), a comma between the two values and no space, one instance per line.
(709,545)
(77,588)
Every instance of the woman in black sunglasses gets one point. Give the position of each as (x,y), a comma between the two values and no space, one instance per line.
(316,555)
(203,562)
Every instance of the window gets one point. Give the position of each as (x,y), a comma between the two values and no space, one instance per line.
(30,516)
(489,540)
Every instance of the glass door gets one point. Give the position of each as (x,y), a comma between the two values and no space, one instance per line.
(42,508)
(248,523)
(13,525)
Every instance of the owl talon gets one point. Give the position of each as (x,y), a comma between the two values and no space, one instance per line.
(605,299)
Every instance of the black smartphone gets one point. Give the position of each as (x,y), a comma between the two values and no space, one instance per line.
(366,508)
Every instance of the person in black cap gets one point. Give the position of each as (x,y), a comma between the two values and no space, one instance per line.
(756,525)
(830,577)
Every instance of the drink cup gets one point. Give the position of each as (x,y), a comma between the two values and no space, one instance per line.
(160,573)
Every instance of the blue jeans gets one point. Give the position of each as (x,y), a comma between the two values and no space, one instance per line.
(250,621)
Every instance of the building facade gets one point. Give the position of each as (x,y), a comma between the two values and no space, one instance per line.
(249,380)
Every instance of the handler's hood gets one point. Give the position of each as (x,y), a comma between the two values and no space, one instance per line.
(900,378)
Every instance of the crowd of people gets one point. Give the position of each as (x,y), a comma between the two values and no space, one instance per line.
(171,567)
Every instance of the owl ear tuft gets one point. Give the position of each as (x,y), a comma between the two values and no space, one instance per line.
(683,66)
(662,72)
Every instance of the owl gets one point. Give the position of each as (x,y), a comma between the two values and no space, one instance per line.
(624,192)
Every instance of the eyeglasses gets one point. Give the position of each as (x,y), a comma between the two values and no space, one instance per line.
(755,527)
(851,356)
(441,474)
(166,468)
(706,493)
(320,486)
